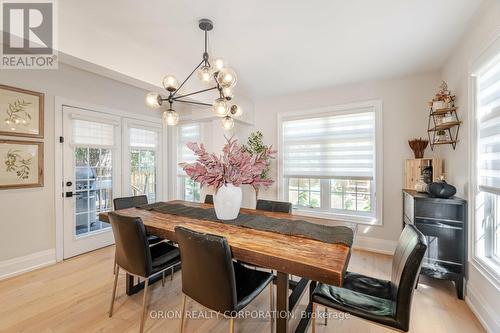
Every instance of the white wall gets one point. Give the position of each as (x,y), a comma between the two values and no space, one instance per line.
(404,116)
(27,216)
(482,295)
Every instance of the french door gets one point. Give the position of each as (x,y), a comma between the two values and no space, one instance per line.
(91,174)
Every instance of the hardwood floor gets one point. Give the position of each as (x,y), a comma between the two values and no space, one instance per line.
(74,296)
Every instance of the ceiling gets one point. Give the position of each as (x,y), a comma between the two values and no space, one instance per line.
(276,47)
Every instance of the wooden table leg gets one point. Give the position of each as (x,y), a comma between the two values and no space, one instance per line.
(129,284)
(282,302)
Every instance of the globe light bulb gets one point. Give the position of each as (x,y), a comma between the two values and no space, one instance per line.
(220,107)
(226,77)
(227,92)
(227,123)
(217,64)
(170,83)
(170,117)
(235,111)
(205,73)
(153,100)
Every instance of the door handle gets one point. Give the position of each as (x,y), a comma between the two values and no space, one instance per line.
(71,194)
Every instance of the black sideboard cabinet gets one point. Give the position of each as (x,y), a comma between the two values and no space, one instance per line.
(444,224)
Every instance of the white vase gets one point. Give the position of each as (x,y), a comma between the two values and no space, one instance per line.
(227,202)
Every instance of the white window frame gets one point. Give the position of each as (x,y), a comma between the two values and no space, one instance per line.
(159,154)
(377,183)
(488,267)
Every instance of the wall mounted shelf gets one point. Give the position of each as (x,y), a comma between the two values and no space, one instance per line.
(443,126)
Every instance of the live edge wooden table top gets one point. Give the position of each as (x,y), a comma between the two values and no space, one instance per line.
(299,256)
(295,255)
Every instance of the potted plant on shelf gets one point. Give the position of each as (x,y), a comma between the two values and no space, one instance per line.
(441,136)
(255,145)
(227,172)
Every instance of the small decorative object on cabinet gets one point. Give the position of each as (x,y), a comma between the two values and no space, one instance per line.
(441,189)
(418,146)
(443,125)
(444,224)
(431,168)
(421,185)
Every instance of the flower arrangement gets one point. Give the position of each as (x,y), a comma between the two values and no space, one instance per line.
(235,166)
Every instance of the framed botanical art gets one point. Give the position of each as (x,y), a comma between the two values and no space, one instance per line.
(21,164)
(21,112)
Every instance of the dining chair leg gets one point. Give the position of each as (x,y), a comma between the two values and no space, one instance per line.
(326,316)
(114,292)
(144,303)
(172,273)
(114,265)
(231,325)
(271,305)
(183,310)
(313,314)
(163,279)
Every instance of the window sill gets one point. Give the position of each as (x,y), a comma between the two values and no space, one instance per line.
(489,268)
(368,220)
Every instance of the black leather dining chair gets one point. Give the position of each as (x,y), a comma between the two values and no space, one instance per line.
(274,206)
(132,202)
(136,257)
(387,303)
(209,199)
(211,277)
(135,201)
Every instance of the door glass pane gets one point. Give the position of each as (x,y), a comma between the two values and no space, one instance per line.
(94,188)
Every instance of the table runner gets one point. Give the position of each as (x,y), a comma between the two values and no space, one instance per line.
(323,233)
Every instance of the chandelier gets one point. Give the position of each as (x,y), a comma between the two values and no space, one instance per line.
(211,72)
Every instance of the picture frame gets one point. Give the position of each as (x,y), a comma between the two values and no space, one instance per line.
(21,112)
(21,164)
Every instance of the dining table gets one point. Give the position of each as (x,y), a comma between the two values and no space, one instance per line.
(312,260)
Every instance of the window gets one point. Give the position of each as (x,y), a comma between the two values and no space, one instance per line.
(143,145)
(328,161)
(304,192)
(354,195)
(487,168)
(188,189)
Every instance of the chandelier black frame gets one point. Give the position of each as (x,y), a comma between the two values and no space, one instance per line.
(223,77)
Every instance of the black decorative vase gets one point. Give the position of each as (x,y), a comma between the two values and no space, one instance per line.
(441,190)
(427,174)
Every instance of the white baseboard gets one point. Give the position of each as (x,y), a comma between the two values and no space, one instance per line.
(485,314)
(19,265)
(377,245)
